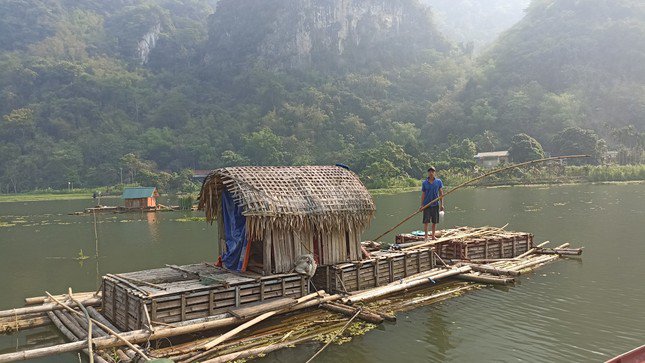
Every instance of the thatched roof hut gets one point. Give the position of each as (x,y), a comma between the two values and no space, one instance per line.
(287,212)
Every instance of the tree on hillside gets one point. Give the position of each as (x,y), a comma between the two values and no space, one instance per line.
(487,141)
(264,148)
(524,148)
(577,141)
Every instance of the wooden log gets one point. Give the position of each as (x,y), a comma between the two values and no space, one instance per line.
(559,251)
(256,320)
(538,260)
(535,262)
(532,250)
(106,328)
(99,317)
(492,270)
(349,311)
(89,325)
(397,287)
(71,324)
(39,300)
(140,336)
(256,351)
(45,308)
(23,322)
(43,352)
(486,279)
(70,336)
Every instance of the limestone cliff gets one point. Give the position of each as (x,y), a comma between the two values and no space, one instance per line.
(323,34)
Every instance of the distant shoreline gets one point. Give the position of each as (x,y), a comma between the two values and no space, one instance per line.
(47,196)
(394,190)
(53,196)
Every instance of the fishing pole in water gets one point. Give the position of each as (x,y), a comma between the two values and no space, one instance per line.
(514,166)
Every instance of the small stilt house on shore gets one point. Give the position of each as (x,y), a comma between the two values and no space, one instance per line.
(140,197)
(270,216)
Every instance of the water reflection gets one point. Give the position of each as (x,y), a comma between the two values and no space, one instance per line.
(438,335)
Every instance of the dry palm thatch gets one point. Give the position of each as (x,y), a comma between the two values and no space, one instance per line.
(325,198)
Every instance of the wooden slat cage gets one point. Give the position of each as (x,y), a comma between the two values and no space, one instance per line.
(168,295)
(502,245)
(383,268)
(292,211)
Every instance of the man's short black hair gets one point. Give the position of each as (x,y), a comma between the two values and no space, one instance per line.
(431,168)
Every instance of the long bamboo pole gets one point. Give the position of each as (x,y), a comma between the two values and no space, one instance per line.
(45,308)
(90,353)
(396,287)
(231,333)
(358,311)
(476,233)
(469,182)
(141,336)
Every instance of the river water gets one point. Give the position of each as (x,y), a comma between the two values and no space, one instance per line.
(575,310)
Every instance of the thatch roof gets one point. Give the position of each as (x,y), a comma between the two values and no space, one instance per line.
(291,197)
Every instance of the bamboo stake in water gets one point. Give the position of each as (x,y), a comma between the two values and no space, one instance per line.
(90,353)
(514,166)
(358,311)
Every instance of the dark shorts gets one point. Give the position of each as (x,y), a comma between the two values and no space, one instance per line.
(431,214)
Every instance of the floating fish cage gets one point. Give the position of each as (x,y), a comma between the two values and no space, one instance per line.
(172,294)
(502,244)
(381,269)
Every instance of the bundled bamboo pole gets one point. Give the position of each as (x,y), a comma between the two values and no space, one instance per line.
(104,327)
(474,180)
(493,270)
(45,308)
(397,287)
(486,279)
(90,353)
(478,232)
(531,251)
(36,300)
(368,316)
(229,334)
(71,336)
(140,336)
(17,323)
(262,350)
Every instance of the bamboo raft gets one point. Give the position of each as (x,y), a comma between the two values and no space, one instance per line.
(213,315)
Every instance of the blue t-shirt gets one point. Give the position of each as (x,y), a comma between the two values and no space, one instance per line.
(432,190)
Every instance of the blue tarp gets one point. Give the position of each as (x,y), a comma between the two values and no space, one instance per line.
(235,229)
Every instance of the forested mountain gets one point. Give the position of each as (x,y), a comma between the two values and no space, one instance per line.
(567,63)
(476,23)
(90,90)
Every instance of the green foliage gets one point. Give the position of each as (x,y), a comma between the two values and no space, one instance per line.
(577,141)
(524,148)
(77,104)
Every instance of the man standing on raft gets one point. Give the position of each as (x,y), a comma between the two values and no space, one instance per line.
(431,189)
